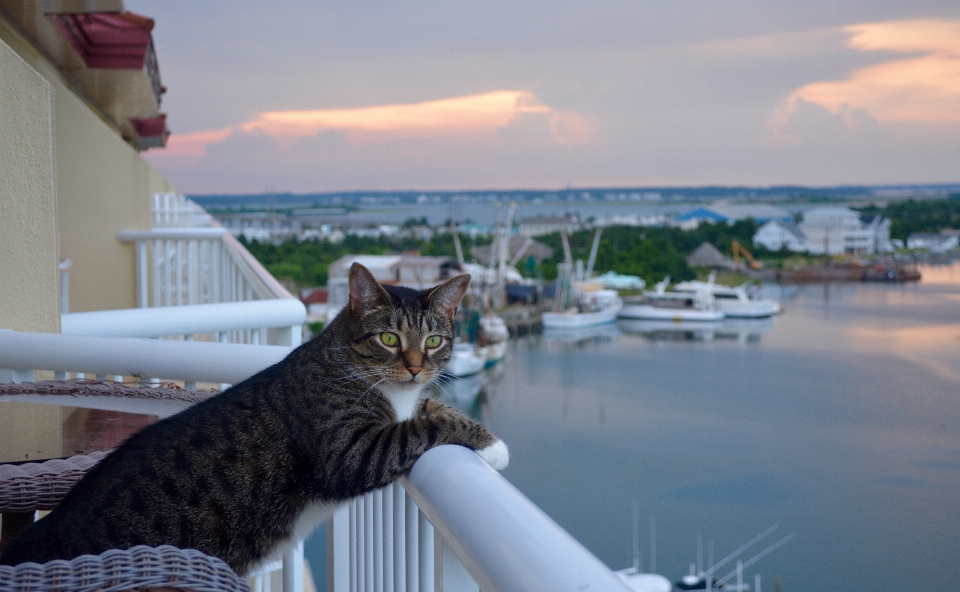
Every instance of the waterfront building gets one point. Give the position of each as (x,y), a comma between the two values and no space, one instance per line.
(933,242)
(730,213)
(776,234)
(840,230)
(540,225)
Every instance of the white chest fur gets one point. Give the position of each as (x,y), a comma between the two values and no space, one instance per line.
(403,398)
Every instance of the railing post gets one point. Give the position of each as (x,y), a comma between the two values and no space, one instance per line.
(413,518)
(425,551)
(368,526)
(399,538)
(143,287)
(293,568)
(338,550)
(376,498)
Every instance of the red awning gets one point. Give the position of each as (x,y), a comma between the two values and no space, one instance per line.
(108,40)
(153,131)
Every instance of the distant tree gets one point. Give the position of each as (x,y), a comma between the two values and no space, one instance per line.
(909,216)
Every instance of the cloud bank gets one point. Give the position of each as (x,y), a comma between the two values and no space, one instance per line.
(921,87)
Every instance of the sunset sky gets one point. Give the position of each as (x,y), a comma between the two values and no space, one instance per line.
(461,94)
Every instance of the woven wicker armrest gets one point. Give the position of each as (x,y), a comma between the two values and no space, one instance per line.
(116,570)
(41,486)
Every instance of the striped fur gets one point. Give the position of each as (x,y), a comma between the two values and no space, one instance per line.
(231,476)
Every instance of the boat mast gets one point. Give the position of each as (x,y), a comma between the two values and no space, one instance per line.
(593,253)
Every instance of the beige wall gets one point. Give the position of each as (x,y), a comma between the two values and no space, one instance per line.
(103,186)
(29,277)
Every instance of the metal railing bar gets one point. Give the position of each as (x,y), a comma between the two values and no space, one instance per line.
(197,361)
(187,319)
(541,556)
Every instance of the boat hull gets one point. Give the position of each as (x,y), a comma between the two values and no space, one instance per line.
(648,311)
(579,320)
(465,361)
(751,309)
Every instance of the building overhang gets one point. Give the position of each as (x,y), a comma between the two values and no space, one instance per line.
(153,131)
(108,52)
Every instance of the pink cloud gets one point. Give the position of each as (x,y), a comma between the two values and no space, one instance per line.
(920,89)
(480,116)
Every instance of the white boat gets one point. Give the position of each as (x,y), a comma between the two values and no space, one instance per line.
(644,582)
(493,339)
(598,307)
(734,301)
(660,304)
(493,329)
(465,360)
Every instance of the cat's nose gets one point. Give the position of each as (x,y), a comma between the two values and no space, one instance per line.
(414,369)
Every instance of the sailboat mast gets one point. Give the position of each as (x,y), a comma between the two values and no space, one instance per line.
(593,253)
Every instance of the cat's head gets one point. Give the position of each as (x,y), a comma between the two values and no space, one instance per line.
(401,335)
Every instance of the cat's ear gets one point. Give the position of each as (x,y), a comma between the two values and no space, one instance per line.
(446,297)
(366,293)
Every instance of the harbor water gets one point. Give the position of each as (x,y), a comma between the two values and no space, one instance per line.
(838,420)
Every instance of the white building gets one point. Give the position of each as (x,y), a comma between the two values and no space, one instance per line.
(933,242)
(540,225)
(839,230)
(775,235)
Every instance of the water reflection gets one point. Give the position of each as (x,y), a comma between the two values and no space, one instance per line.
(595,334)
(742,331)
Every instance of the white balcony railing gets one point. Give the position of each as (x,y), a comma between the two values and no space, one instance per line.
(471,525)
(187,259)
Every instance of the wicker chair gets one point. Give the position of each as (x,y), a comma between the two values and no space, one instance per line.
(25,488)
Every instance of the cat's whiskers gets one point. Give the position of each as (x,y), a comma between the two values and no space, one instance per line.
(370,388)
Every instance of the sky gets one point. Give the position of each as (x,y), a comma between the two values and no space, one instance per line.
(548,94)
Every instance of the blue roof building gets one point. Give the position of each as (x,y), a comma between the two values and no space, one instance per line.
(762,213)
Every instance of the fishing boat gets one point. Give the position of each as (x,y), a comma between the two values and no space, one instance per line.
(493,339)
(734,301)
(579,305)
(465,360)
(598,307)
(633,577)
(644,582)
(660,304)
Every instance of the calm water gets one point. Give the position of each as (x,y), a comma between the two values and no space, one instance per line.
(839,421)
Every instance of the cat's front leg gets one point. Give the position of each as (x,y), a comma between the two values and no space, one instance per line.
(495,453)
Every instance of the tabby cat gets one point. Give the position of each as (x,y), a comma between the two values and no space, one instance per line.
(260,464)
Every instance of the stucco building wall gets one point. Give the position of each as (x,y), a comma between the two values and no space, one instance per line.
(29,277)
(29,280)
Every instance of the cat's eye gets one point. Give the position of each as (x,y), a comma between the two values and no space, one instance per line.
(434,341)
(389,339)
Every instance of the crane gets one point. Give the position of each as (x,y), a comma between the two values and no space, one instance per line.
(737,249)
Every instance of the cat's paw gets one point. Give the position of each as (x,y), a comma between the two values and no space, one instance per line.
(496,455)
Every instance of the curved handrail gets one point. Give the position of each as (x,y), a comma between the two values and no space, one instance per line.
(196,361)
(500,536)
(185,320)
